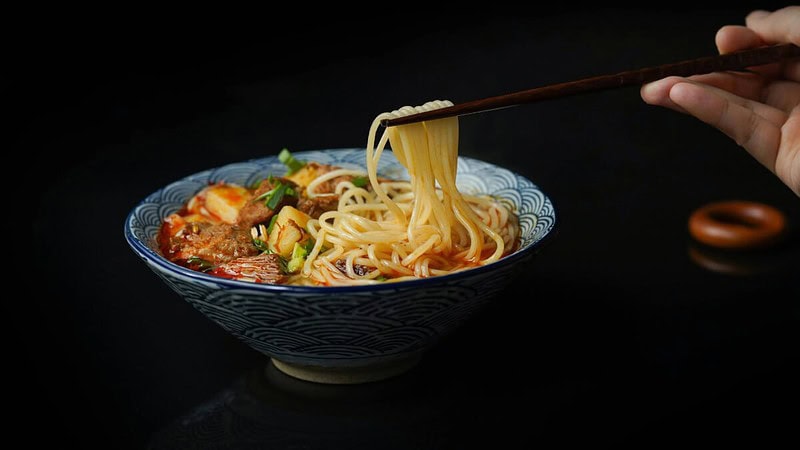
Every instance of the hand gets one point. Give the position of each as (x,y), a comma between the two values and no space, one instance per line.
(760,110)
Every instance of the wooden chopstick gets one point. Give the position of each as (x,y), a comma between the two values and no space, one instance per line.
(729,61)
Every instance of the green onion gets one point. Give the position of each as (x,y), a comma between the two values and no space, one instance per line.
(299,254)
(299,251)
(264,195)
(309,245)
(273,197)
(271,223)
(261,246)
(277,195)
(283,263)
(202,264)
(290,161)
(256,184)
(360,181)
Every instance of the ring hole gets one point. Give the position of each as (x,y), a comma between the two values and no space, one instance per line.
(729,218)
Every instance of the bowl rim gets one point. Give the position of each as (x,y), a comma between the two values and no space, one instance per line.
(154,258)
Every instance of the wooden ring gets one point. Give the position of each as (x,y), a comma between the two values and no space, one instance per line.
(737,224)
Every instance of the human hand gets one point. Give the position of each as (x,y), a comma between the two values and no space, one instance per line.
(760,109)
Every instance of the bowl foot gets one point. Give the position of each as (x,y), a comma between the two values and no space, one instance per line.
(347,375)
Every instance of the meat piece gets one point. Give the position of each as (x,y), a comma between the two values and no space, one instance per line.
(254,213)
(170,235)
(314,207)
(359,269)
(313,170)
(264,268)
(214,243)
(256,210)
(329,187)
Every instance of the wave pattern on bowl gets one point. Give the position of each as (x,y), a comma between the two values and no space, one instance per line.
(297,327)
(334,326)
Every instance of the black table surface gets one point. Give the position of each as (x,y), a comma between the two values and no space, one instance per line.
(616,335)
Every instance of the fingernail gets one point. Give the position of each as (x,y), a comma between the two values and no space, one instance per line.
(682,92)
(655,85)
(649,92)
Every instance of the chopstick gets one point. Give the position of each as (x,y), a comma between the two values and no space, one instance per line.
(729,61)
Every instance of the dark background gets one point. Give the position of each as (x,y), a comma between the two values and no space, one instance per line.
(614,336)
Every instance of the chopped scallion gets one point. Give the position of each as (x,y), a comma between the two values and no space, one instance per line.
(273,197)
(256,184)
(202,264)
(277,195)
(309,245)
(271,223)
(293,164)
(261,245)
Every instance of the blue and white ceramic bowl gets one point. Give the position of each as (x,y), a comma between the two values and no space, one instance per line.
(342,334)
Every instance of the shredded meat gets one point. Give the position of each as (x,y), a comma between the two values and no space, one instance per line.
(264,268)
(213,243)
(328,187)
(359,269)
(326,199)
(255,211)
(314,207)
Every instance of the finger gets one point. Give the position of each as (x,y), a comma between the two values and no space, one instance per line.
(768,112)
(783,95)
(780,94)
(742,84)
(782,25)
(791,70)
(760,137)
(732,38)
(657,93)
(787,165)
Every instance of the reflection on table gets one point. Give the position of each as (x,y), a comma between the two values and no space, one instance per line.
(265,407)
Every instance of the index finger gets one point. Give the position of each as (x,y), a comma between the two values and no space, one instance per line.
(780,26)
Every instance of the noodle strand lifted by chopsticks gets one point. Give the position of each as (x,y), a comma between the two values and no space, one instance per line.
(405,229)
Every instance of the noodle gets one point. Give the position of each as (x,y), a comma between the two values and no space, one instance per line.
(326,225)
(407,229)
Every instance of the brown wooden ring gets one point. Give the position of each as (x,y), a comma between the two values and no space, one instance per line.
(737,224)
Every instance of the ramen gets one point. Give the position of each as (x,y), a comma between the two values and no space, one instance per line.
(324,225)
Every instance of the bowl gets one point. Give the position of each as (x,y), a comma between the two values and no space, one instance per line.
(343,335)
